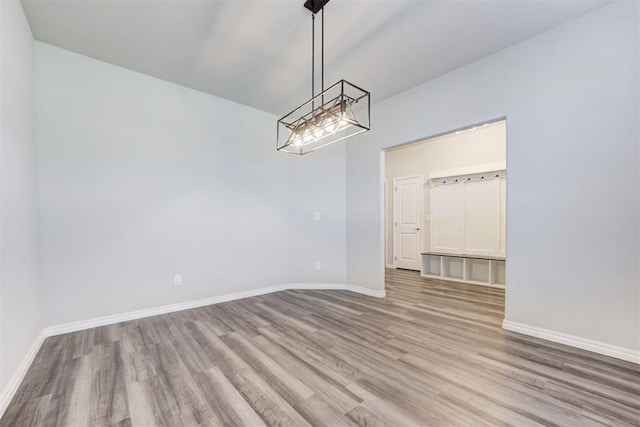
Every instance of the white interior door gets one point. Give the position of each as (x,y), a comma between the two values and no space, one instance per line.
(407,230)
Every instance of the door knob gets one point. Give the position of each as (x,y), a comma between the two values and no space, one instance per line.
(417,229)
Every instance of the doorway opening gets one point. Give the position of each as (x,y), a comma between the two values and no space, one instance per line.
(445,205)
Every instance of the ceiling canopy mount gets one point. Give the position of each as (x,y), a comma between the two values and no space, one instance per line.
(315,6)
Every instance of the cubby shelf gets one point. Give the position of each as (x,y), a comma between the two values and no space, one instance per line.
(472,269)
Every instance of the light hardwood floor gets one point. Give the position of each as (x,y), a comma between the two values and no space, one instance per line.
(431,353)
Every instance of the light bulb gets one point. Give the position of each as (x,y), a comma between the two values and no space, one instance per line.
(297,142)
(308,137)
(329,126)
(318,133)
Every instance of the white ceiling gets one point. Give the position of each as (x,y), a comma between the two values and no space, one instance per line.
(257,52)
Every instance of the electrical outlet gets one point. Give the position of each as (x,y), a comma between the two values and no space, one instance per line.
(317,265)
(177,280)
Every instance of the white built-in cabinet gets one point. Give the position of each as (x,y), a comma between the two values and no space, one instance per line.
(467,225)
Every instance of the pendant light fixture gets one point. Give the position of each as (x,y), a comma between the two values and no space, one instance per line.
(337,113)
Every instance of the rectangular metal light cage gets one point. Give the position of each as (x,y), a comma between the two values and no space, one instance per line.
(341,111)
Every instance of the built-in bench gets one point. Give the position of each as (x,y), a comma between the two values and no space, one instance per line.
(474,269)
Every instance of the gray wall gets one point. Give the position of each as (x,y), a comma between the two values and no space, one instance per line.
(20,320)
(142,179)
(570,96)
(318,184)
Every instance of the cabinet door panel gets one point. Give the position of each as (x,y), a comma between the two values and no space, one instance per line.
(446,217)
(482,217)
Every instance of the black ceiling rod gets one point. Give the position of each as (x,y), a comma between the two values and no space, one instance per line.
(313,60)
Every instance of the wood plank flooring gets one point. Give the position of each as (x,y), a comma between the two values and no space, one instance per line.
(431,353)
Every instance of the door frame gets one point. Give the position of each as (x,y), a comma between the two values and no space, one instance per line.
(395,216)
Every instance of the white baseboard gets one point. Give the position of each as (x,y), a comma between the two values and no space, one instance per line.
(366,291)
(574,341)
(315,286)
(391,266)
(14,382)
(339,287)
